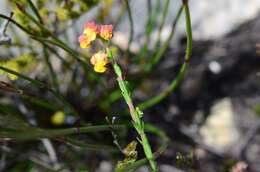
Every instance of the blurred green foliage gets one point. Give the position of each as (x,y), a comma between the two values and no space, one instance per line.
(257,110)
(24,63)
(52,92)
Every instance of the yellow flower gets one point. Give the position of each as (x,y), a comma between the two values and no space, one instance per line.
(58,118)
(106,32)
(99,61)
(100,68)
(91,30)
(84,41)
(89,34)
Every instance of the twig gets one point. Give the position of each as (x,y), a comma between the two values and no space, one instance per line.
(52,154)
(4,38)
(247,138)
(114,135)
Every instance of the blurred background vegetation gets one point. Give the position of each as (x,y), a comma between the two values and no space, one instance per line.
(57,114)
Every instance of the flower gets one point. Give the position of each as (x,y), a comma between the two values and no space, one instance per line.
(58,118)
(99,60)
(100,68)
(106,32)
(84,41)
(90,32)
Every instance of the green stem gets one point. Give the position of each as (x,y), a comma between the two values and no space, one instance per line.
(165,141)
(93,147)
(34,9)
(35,132)
(188,32)
(135,113)
(54,51)
(158,55)
(50,68)
(87,129)
(148,68)
(67,49)
(152,15)
(17,24)
(131,26)
(61,45)
(55,40)
(178,79)
(152,18)
(41,85)
(39,24)
(162,21)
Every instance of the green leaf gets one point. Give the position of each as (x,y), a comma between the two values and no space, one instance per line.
(88,146)
(13,127)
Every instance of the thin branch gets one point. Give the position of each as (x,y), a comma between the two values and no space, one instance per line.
(173,85)
(131,26)
(35,11)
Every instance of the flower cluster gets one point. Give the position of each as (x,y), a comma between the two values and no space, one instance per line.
(91,31)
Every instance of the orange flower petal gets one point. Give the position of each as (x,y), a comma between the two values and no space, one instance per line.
(92,25)
(84,41)
(90,34)
(91,29)
(106,32)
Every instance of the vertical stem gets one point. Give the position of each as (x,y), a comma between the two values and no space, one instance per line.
(135,113)
(188,31)
(162,21)
(35,11)
(173,85)
(152,16)
(51,70)
(158,54)
(131,26)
